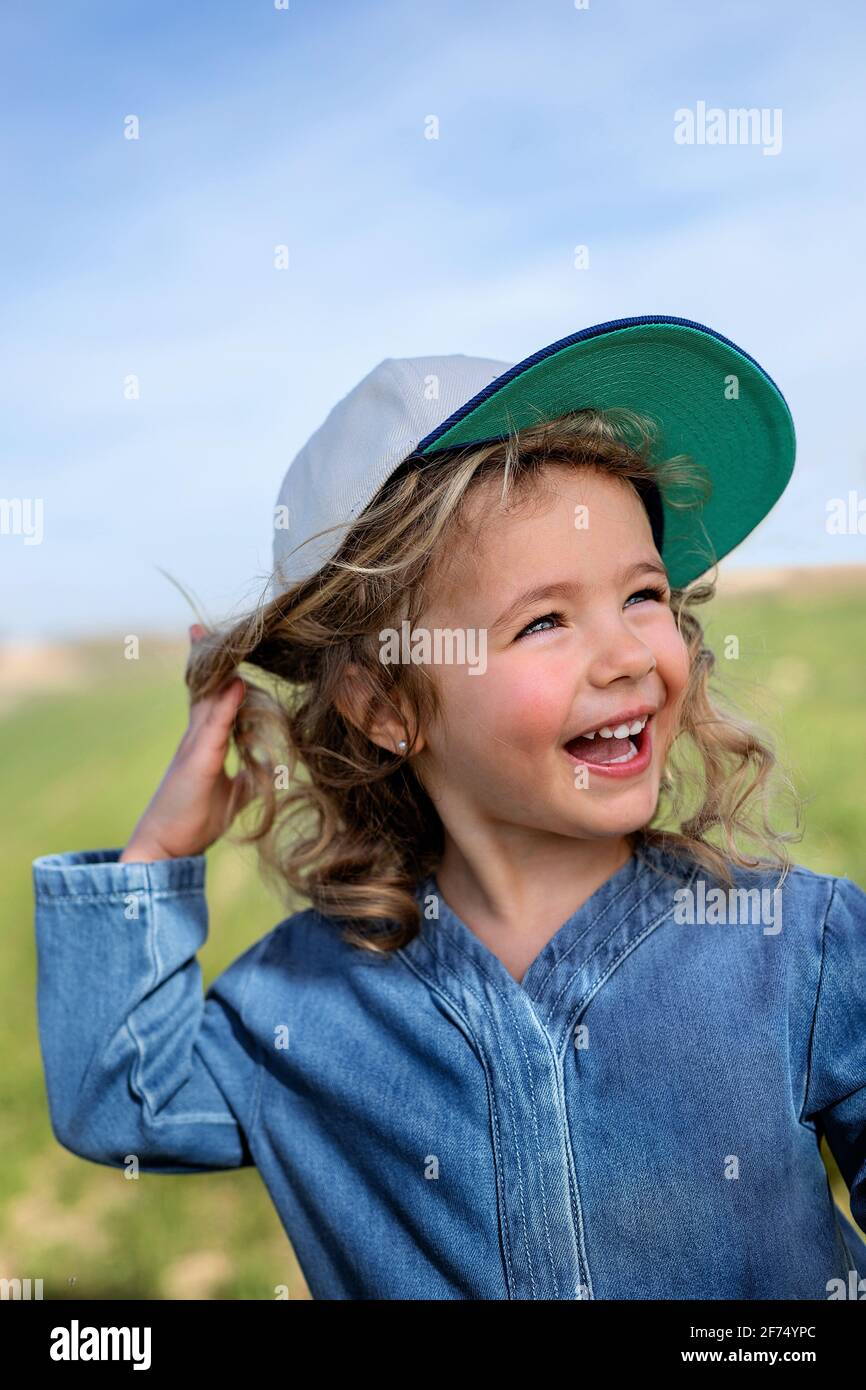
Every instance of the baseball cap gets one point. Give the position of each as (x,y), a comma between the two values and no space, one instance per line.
(708,398)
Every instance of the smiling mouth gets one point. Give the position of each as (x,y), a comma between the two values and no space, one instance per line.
(609,752)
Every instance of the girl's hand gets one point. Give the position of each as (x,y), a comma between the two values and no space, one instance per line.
(196,801)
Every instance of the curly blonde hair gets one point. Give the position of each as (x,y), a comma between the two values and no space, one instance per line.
(349,825)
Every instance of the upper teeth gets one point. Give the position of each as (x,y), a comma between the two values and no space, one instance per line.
(619,730)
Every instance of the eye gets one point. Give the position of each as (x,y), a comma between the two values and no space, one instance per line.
(556,618)
(659,594)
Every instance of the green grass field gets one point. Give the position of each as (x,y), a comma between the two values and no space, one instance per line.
(80,764)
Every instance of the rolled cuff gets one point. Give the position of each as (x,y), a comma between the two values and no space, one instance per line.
(97,873)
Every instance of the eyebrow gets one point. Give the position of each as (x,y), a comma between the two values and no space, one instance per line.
(568,588)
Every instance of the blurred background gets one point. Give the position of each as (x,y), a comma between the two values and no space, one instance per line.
(218,220)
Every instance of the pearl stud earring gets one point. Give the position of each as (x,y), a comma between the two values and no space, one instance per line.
(402,743)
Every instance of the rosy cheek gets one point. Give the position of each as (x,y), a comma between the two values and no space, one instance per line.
(527,710)
(672,657)
(673,667)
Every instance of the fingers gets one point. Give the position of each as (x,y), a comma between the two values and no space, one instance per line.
(212,716)
(217,710)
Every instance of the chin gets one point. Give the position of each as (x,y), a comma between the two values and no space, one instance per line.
(629,812)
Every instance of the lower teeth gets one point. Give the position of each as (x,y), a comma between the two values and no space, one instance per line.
(624,758)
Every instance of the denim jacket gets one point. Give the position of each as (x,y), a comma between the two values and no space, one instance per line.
(638,1118)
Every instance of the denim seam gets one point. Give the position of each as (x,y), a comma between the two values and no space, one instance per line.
(264,947)
(615,962)
(494,984)
(118,894)
(814,1021)
(499,1164)
(520,1183)
(630,946)
(598,947)
(574,1185)
(268,943)
(627,949)
(496,987)
(136,1077)
(555,965)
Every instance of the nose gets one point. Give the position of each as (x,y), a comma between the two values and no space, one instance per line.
(618,653)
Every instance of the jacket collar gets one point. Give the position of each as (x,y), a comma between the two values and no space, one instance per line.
(576,961)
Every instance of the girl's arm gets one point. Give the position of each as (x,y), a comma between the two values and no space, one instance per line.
(138,1063)
(836,1079)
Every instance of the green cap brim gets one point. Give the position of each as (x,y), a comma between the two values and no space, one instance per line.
(708,398)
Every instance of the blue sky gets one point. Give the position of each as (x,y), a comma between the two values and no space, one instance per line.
(305,127)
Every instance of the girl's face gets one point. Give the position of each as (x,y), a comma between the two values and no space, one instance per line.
(558,663)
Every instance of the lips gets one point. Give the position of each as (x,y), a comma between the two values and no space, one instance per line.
(612,722)
(614,757)
(600,751)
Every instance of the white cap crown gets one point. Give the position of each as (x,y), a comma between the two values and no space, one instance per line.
(362,441)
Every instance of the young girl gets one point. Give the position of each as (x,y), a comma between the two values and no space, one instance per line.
(549,1030)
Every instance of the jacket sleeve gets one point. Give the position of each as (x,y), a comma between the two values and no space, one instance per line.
(836,1084)
(137,1061)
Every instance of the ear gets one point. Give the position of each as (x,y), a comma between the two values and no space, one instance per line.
(385,727)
